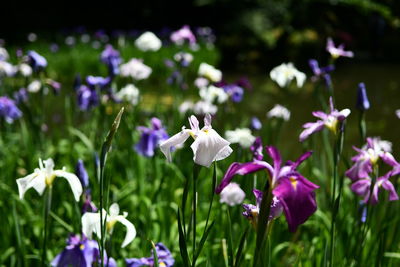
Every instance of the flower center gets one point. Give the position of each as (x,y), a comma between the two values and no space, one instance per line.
(49,179)
(294,182)
(331,123)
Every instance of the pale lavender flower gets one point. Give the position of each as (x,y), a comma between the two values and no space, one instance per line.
(329,121)
(337,51)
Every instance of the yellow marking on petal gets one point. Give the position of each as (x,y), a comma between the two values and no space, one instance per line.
(161,264)
(82,246)
(110,224)
(50,179)
(331,124)
(206,131)
(192,134)
(294,182)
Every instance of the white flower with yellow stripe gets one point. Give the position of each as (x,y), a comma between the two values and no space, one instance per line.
(91,224)
(44,176)
(208,145)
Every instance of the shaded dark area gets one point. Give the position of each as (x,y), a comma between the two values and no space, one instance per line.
(250,33)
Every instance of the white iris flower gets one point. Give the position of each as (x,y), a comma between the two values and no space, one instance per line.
(91,224)
(44,176)
(208,145)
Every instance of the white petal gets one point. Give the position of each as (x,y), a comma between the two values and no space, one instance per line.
(207,146)
(223,153)
(130,230)
(114,210)
(345,112)
(35,180)
(194,123)
(73,181)
(300,78)
(175,140)
(91,224)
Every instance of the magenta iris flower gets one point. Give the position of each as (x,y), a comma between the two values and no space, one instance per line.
(293,191)
(163,254)
(151,138)
(329,121)
(80,252)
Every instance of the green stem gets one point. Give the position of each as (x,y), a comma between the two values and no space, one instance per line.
(262,224)
(196,170)
(46,218)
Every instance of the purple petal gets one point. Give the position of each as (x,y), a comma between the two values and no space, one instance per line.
(310,129)
(241,169)
(301,159)
(360,169)
(362,188)
(297,196)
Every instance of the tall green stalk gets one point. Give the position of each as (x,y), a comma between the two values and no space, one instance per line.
(100,172)
(335,200)
(262,225)
(46,218)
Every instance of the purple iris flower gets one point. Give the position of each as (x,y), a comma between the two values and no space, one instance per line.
(368,156)
(321,72)
(97,81)
(251,211)
(163,254)
(329,121)
(151,138)
(234,91)
(88,205)
(255,123)
(87,98)
(9,110)
(362,187)
(294,192)
(56,86)
(337,51)
(80,252)
(365,161)
(256,148)
(82,174)
(21,95)
(112,59)
(362,98)
(37,61)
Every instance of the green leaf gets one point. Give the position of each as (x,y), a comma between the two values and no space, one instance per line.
(202,241)
(182,243)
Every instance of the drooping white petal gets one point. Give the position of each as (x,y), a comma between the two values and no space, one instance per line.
(223,153)
(207,146)
(130,230)
(73,181)
(35,180)
(300,78)
(91,224)
(175,140)
(114,210)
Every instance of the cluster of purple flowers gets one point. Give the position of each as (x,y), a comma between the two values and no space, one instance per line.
(81,252)
(164,256)
(365,162)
